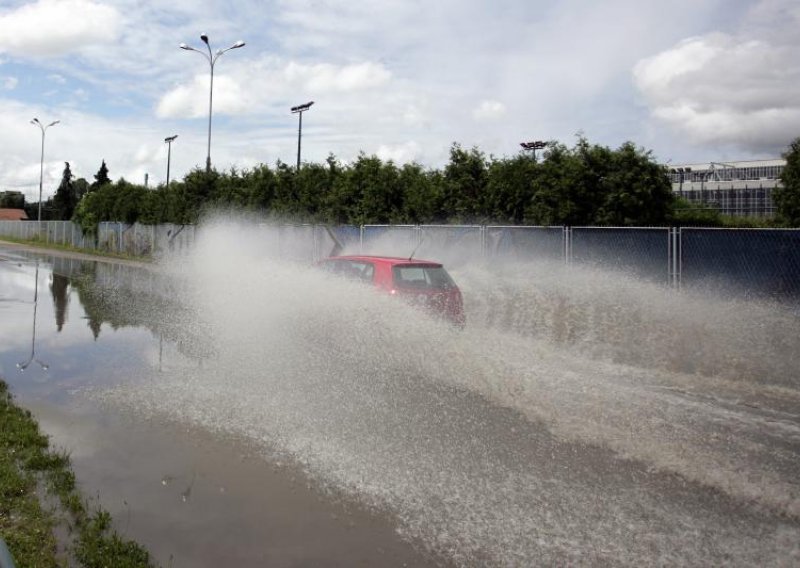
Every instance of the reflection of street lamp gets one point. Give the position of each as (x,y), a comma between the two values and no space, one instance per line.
(536,145)
(212,59)
(43,128)
(24,365)
(300,109)
(169,140)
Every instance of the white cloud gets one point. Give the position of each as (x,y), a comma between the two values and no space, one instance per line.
(489,110)
(9,83)
(53,27)
(326,77)
(730,88)
(399,154)
(191,101)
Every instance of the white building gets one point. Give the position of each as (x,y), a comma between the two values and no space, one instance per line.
(734,188)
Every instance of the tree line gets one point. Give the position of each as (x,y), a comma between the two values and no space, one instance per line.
(587,184)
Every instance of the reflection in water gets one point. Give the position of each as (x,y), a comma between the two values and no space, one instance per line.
(59,288)
(24,364)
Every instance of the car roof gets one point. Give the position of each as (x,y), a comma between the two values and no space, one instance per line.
(391,260)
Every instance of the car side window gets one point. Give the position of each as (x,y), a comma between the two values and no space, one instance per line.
(353,269)
(361,270)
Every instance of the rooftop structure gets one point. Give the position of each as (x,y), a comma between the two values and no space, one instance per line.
(12,214)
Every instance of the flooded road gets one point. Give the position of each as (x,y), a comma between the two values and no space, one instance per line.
(232,402)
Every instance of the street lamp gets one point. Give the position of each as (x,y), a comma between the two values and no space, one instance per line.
(212,59)
(536,145)
(300,109)
(43,128)
(169,140)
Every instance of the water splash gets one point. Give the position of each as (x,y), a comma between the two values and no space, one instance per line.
(576,419)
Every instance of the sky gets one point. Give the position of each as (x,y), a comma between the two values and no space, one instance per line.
(691,81)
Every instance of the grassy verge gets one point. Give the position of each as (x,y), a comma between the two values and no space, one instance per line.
(39,243)
(27,463)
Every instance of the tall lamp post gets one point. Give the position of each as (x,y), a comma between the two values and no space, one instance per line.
(169,140)
(212,59)
(300,109)
(43,128)
(536,145)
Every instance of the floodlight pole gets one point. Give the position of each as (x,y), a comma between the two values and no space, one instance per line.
(212,59)
(300,109)
(43,128)
(169,140)
(536,145)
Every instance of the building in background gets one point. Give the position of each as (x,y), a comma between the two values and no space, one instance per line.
(7,214)
(733,188)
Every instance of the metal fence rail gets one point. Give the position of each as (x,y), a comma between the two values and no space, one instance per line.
(745,262)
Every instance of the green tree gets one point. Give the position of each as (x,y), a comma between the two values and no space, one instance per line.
(81,187)
(465,179)
(787,197)
(101,177)
(510,188)
(561,190)
(65,199)
(12,199)
(635,189)
(423,199)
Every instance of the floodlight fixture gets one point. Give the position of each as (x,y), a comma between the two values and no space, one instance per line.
(533,146)
(537,145)
(303,107)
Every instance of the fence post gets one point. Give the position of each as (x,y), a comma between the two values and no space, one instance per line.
(567,243)
(674,257)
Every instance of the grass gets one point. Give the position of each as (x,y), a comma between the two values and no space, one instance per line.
(26,464)
(39,243)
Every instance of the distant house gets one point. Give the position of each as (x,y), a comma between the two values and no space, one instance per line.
(13,214)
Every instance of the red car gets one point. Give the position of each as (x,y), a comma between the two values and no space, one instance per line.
(422,282)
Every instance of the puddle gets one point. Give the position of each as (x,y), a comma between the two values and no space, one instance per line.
(234,402)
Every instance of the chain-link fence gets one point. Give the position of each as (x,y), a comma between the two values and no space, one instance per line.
(745,262)
(759,262)
(515,243)
(641,252)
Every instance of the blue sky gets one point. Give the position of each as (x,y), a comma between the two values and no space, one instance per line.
(403,79)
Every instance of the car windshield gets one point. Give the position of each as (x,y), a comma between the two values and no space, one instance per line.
(410,276)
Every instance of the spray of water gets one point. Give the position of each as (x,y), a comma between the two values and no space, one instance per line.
(580,417)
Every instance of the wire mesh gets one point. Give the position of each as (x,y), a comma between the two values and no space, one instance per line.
(641,252)
(524,243)
(749,262)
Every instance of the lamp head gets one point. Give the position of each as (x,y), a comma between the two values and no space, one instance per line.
(537,145)
(204,37)
(184,46)
(35,121)
(303,107)
(238,44)
(170,138)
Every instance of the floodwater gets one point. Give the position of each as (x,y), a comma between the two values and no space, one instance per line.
(232,405)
